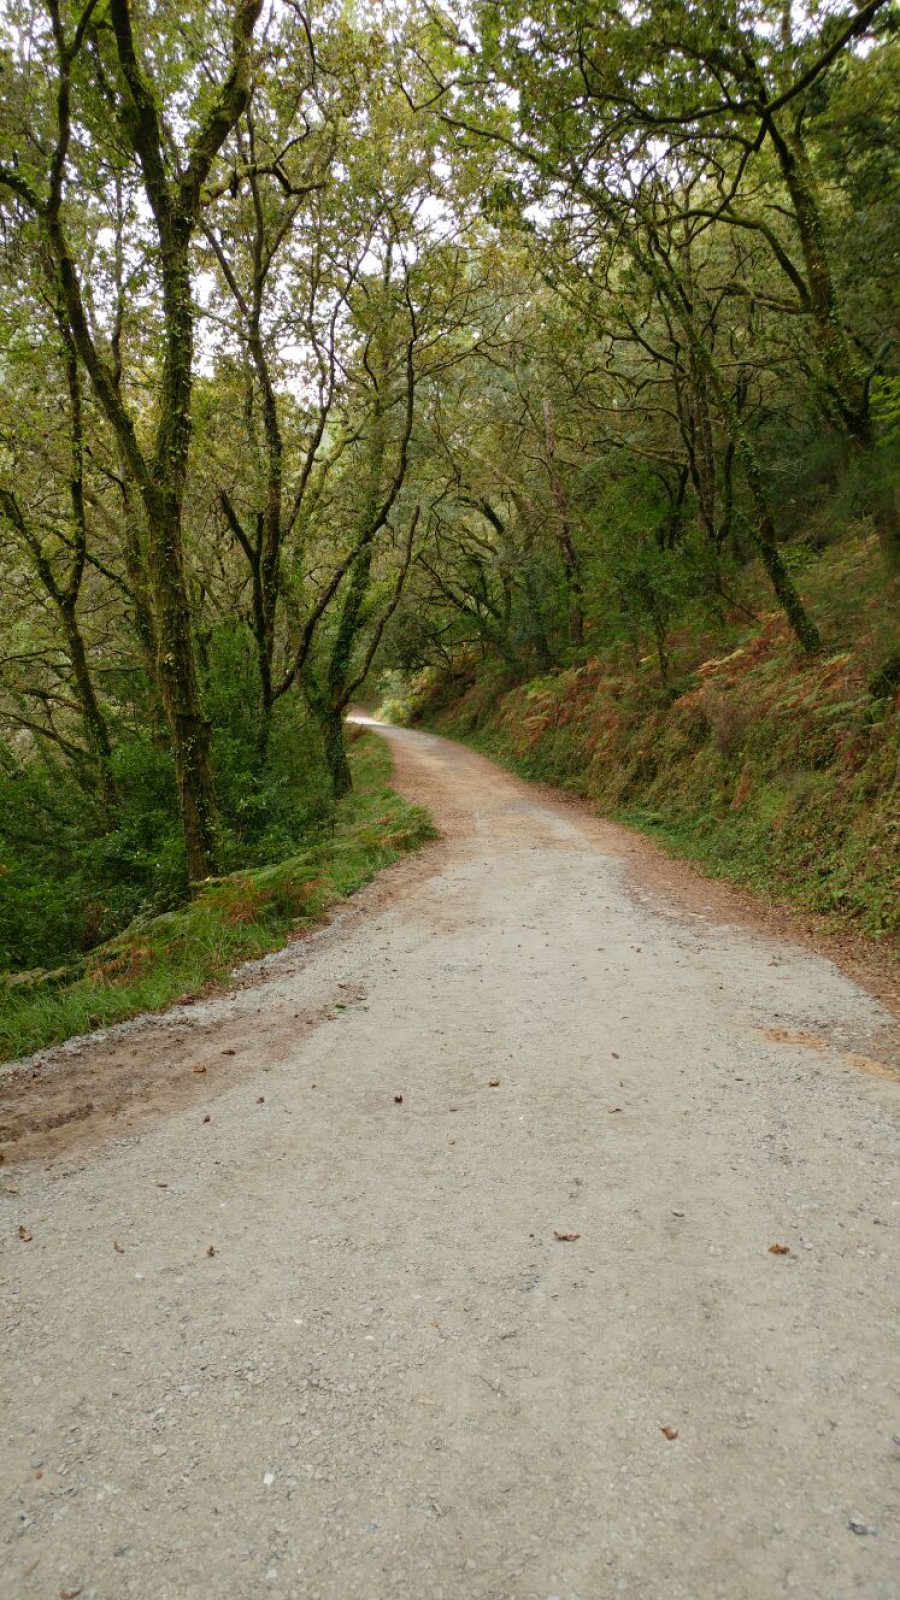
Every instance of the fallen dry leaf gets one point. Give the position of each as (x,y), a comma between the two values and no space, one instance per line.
(119,1248)
(8,1188)
(229,1052)
(69,1594)
(25,1236)
(162,1186)
(779,1249)
(612,1110)
(198,1070)
(493,1083)
(566,1238)
(669,1433)
(615,1055)
(210,1249)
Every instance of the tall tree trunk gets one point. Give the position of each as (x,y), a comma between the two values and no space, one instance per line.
(546,659)
(176,675)
(175,196)
(570,561)
(701,454)
(64,598)
(844,379)
(91,715)
(331,724)
(262,622)
(134,551)
(766,536)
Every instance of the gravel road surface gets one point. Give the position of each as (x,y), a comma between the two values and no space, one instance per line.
(457,1281)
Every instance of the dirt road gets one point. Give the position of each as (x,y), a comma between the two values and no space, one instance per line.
(519,1334)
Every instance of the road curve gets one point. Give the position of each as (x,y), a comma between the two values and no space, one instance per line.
(464,1287)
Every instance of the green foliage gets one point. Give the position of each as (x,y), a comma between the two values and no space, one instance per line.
(67,880)
(159,958)
(71,876)
(268,806)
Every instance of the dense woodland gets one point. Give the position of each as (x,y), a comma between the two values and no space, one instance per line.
(343,341)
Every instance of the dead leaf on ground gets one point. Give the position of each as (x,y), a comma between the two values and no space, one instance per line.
(614,1054)
(210,1249)
(25,1236)
(612,1110)
(69,1594)
(669,1433)
(565,1238)
(9,1188)
(198,1070)
(779,1249)
(229,1052)
(493,1083)
(119,1248)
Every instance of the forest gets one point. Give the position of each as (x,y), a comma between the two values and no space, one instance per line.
(455,357)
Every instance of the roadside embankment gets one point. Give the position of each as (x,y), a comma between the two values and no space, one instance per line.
(777,771)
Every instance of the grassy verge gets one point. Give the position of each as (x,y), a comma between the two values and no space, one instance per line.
(161,959)
(778,771)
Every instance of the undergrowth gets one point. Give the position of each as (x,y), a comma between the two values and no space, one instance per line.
(160,959)
(776,770)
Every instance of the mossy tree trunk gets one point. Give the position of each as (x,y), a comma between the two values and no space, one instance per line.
(174,191)
(843,376)
(654,261)
(569,555)
(64,591)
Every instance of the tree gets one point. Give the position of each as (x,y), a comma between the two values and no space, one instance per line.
(173,181)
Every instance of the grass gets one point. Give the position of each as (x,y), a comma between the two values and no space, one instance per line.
(778,771)
(159,960)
